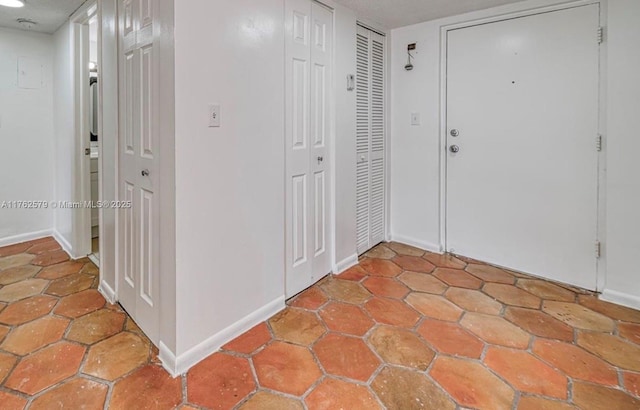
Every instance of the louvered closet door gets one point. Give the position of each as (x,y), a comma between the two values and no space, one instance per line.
(370,139)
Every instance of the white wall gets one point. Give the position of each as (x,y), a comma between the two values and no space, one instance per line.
(622,138)
(26,136)
(415,190)
(64,121)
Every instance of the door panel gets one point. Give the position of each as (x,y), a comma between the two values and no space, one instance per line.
(522,189)
(138,162)
(308,73)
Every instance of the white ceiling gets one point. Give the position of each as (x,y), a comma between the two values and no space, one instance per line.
(48,14)
(398,13)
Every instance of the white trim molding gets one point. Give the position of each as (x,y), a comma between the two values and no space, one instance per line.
(427,246)
(177,365)
(620,298)
(345,264)
(108,292)
(66,246)
(25,237)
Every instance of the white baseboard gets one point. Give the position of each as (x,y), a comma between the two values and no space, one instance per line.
(345,264)
(621,298)
(24,237)
(182,363)
(66,246)
(107,291)
(431,247)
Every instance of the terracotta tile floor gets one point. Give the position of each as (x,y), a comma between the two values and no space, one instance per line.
(402,330)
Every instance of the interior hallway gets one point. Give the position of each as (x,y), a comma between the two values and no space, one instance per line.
(404,329)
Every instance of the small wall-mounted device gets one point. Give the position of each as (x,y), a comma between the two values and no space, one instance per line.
(214,115)
(410,47)
(351,82)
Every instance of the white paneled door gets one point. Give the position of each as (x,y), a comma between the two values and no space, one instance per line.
(522,157)
(138,257)
(309,50)
(370,139)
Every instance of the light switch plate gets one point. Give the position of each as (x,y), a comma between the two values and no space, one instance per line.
(415,118)
(214,115)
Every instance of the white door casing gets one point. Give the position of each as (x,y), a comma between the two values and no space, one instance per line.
(370,139)
(138,255)
(522,190)
(308,73)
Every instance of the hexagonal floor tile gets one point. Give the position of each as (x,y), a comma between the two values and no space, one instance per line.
(286,368)
(595,397)
(12,401)
(451,339)
(355,273)
(387,287)
(540,403)
(50,258)
(43,245)
(423,282)
(631,383)
(539,323)
(458,278)
(414,263)
(403,249)
(400,346)
(4,330)
(526,373)
(70,284)
(546,290)
(445,260)
(575,362)
(96,326)
(80,303)
(471,384)
(609,309)
(473,301)
(511,295)
(264,400)
(578,316)
(391,312)
(495,330)
(381,252)
(220,381)
(22,290)
(15,260)
(14,249)
(46,368)
(27,310)
(490,273)
(345,291)
(297,326)
(75,394)
(311,299)
(346,356)
(404,389)
(18,273)
(380,267)
(60,270)
(630,331)
(613,349)
(346,318)
(7,361)
(116,356)
(434,306)
(148,381)
(34,335)
(337,394)
(251,340)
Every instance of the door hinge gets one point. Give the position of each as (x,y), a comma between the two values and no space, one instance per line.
(600,35)
(598,249)
(599,142)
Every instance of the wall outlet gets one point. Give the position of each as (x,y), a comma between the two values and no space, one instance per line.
(415,118)
(214,115)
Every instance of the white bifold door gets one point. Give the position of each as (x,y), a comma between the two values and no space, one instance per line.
(138,181)
(370,139)
(522,129)
(309,50)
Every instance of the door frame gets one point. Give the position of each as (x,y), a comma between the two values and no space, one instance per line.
(601,187)
(81,219)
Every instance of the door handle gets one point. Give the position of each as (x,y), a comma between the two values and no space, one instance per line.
(320,159)
(145,172)
(454,149)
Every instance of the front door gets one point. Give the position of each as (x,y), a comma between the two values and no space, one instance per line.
(138,282)
(522,161)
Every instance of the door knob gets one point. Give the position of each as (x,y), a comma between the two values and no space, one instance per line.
(320,159)
(454,132)
(145,172)
(454,148)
